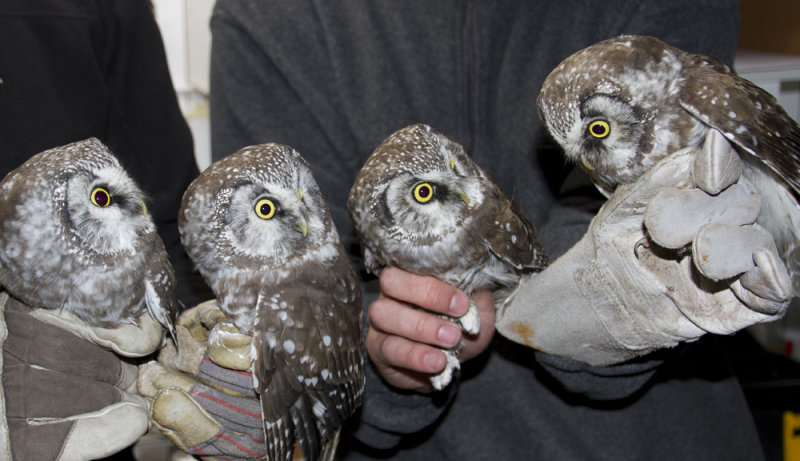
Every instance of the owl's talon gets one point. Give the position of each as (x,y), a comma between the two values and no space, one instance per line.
(642,243)
(471,321)
(442,379)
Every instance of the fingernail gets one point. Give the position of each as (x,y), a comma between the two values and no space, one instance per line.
(434,361)
(448,334)
(459,304)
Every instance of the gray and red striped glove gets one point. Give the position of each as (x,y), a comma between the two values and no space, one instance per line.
(202,393)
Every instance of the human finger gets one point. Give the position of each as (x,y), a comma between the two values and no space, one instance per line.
(399,352)
(423,291)
(400,319)
(393,356)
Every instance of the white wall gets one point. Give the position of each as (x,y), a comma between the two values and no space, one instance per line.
(187,40)
(777,73)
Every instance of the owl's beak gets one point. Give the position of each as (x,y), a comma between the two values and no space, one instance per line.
(463,195)
(586,163)
(302,226)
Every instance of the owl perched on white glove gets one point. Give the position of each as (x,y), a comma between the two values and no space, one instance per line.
(621,105)
(258,229)
(75,235)
(421,204)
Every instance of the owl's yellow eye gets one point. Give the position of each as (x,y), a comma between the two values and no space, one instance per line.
(452,164)
(100,197)
(423,192)
(599,129)
(265,209)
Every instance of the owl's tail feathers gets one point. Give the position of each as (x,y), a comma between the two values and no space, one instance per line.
(277,406)
(328,452)
(314,441)
(306,429)
(162,304)
(280,439)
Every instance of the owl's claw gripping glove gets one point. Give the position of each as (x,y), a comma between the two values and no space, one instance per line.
(667,259)
(63,397)
(202,394)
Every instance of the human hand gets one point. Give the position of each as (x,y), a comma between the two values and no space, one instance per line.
(65,397)
(405,342)
(202,393)
(717,219)
(616,295)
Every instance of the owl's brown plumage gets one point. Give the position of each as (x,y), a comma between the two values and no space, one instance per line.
(621,105)
(421,204)
(75,235)
(258,229)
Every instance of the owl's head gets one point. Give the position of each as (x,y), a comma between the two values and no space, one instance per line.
(613,107)
(259,208)
(78,193)
(416,189)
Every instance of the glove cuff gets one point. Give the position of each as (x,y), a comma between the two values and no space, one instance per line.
(551,311)
(581,308)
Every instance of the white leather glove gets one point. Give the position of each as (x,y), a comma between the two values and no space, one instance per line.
(617,294)
(63,394)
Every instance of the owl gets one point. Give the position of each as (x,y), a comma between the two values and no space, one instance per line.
(621,105)
(259,231)
(75,235)
(421,204)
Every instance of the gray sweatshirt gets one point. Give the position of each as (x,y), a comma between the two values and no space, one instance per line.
(333,79)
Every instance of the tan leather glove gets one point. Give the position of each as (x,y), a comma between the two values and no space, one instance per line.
(64,397)
(616,294)
(202,393)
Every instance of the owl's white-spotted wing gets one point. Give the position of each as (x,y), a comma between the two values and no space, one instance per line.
(161,291)
(310,364)
(511,236)
(748,116)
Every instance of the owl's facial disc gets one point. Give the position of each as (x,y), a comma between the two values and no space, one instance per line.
(267,220)
(606,137)
(426,205)
(106,210)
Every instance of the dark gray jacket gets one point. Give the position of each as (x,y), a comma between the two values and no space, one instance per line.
(333,79)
